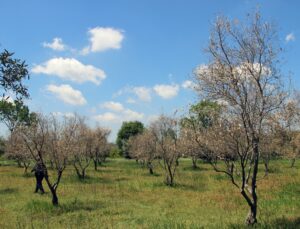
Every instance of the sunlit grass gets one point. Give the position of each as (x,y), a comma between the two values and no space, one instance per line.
(123,195)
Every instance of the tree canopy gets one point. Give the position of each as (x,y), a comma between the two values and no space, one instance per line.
(127,130)
(12,73)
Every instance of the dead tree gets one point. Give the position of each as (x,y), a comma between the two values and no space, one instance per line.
(242,72)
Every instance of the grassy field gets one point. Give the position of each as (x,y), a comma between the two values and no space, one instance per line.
(122,195)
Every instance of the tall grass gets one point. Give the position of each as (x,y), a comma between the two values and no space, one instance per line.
(123,195)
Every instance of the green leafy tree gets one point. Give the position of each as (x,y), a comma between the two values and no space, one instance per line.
(14,114)
(128,129)
(12,73)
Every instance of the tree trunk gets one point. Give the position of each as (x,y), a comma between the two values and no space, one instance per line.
(54,197)
(266,163)
(170,176)
(293,162)
(25,169)
(194,160)
(251,218)
(150,167)
(96,165)
(83,174)
(19,164)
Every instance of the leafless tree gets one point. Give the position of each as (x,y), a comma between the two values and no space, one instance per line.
(166,132)
(15,149)
(81,153)
(288,130)
(100,145)
(51,139)
(142,147)
(243,73)
(190,147)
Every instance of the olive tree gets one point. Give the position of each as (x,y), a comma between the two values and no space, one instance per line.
(142,147)
(16,150)
(82,149)
(51,139)
(194,126)
(166,131)
(100,146)
(12,74)
(243,72)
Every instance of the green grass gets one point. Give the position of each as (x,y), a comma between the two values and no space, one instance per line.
(123,195)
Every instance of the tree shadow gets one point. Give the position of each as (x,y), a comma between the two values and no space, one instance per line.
(279,223)
(8,191)
(198,168)
(189,187)
(37,206)
(119,179)
(286,223)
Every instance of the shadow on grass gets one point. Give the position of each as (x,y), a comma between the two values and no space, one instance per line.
(119,179)
(219,177)
(28,175)
(280,223)
(8,191)
(88,180)
(38,206)
(198,168)
(188,187)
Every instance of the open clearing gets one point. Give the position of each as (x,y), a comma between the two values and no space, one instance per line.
(123,195)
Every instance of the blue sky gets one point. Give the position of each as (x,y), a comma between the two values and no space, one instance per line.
(114,61)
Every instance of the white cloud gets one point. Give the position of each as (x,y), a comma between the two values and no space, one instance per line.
(107,117)
(290,37)
(188,84)
(103,38)
(124,115)
(71,69)
(67,94)
(143,93)
(130,115)
(166,91)
(114,106)
(61,114)
(130,100)
(57,44)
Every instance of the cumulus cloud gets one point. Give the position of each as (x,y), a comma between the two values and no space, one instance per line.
(71,69)
(67,94)
(143,93)
(106,117)
(130,115)
(166,91)
(188,84)
(290,37)
(130,100)
(57,44)
(102,39)
(61,114)
(121,116)
(114,106)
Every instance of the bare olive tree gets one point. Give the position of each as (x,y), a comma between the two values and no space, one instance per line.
(166,131)
(100,146)
(142,147)
(82,148)
(15,149)
(242,71)
(288,130)
(51,139)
